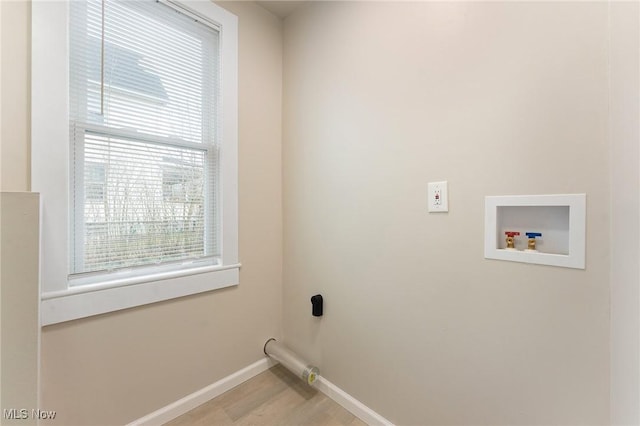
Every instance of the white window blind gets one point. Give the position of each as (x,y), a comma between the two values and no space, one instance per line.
(144,128)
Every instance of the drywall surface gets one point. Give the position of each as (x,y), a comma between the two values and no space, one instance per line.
(499,98)
(115,368)
(625,212)
(14,118)
(0,199)
(19,230)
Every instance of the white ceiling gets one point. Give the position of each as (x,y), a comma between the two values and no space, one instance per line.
(280,8)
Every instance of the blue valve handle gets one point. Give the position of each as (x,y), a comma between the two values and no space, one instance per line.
(533,234)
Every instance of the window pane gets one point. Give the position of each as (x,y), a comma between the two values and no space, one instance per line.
(144,203)
(155,70)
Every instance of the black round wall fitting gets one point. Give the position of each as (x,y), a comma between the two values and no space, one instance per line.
(316,305)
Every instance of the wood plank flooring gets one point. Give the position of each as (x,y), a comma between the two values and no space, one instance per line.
(273,398)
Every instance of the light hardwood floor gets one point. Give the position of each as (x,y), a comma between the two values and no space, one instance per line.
(273,398)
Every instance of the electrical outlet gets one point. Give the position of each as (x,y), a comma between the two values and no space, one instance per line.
(438,197)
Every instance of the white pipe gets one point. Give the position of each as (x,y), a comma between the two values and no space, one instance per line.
(291,361)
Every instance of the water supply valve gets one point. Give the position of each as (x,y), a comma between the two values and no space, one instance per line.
(532,240)
(511,240)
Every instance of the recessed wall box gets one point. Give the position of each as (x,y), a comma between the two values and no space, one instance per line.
(561,219)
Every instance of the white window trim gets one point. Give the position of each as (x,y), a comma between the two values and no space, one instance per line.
(50,153)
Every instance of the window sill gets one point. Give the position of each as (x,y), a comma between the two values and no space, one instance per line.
(81,302)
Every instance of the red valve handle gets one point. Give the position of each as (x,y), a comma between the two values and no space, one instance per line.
(511,234)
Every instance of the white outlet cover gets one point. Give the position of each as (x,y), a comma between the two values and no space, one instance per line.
(438,201)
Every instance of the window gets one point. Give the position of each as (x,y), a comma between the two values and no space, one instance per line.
(143,110)
(141,192)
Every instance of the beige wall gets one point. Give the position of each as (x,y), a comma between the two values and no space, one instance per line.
(19,216)
(0,200)
(15,57)
(625,212)
(112,369)
(497,98)
(19,230)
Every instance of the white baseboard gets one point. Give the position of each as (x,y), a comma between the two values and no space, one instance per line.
(354,406)
(189,402)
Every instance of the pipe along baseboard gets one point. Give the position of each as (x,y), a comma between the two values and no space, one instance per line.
(291,361)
